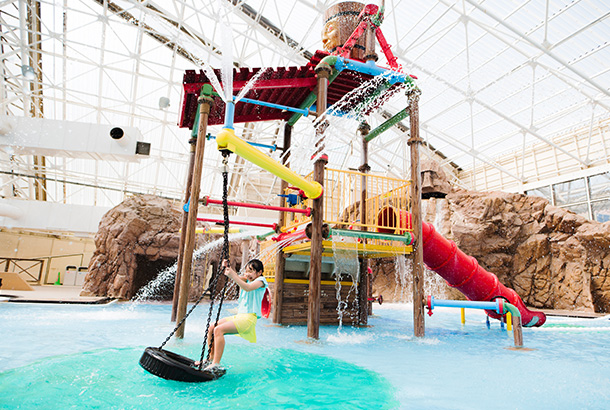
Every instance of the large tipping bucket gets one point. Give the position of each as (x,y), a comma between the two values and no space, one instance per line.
(394,221)
(340,21)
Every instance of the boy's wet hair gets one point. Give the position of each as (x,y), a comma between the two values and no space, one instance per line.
(257,265)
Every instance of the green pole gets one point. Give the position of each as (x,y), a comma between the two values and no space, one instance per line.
(406,238)
(311,98)
(401,115)
(265,236)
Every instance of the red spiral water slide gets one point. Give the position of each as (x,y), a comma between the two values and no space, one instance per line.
(461,271)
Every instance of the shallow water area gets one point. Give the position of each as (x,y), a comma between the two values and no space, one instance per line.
(87,357)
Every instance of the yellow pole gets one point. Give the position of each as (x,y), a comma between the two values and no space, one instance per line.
(509,321)
(226,139)
(212,231)
(463,315)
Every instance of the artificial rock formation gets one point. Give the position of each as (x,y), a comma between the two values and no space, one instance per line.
(139,238)
(434,180)
(143,225)
(551,257)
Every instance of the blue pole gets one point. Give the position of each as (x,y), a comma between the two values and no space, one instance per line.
(370,68)
(304,112)
(256,144)
(229,114)
(495,306)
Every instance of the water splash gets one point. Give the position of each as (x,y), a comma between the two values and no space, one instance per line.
(346,264)
(159,285)
(166,278)
(352,108)
(354,103)
(251,82)
(267,254)
(350,338)
(227,60)
(403,271)
(434,284)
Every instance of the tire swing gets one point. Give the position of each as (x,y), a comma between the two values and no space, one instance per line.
(172,366)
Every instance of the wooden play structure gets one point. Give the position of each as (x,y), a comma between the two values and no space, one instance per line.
(380,232)
(370,209)
(381,216)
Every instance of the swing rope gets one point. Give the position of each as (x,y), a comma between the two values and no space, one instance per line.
(225,255)
(211,290)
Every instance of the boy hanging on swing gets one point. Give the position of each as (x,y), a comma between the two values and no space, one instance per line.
(253,287)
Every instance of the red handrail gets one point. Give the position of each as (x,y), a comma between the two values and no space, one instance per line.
(206,200)
(273,226)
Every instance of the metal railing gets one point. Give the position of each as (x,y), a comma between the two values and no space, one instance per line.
(342,196)
(30,267)
(33,268)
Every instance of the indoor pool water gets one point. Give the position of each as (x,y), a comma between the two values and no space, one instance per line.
(86,356)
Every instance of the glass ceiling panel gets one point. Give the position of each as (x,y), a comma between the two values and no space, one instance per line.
(525,68)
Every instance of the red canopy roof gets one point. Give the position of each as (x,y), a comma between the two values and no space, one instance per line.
(288,86)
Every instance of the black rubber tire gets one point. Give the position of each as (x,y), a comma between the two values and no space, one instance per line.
(172,366)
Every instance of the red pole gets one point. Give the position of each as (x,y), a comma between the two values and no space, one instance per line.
(293,236)
(206,200)
(219,221)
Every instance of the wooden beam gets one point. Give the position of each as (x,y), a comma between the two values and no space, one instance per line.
(183,227)
(315,266)
(189,246)
(280,258)
(418,255)
(364,282)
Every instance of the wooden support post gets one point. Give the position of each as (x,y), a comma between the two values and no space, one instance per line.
(369,53)
(517,331)
(315,265)
(317,219)
(418,255)
(187,195)
(280,258)
(245,253)
(363,285)
(205,103)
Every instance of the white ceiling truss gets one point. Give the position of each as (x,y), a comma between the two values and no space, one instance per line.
(513,92)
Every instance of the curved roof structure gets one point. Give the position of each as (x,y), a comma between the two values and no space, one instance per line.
(515,94)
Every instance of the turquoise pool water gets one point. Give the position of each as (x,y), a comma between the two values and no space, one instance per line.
(85,357)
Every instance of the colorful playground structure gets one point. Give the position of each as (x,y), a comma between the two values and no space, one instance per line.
(382,215)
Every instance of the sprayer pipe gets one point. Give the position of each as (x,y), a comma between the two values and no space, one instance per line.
(293,236)
(370,68)
(401,115)
(219,221)
(254,144)
(207,200)
(229,114)
(226,139)
(512,309)
(304,112)
(265,235)
(495,306)
(408,238)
